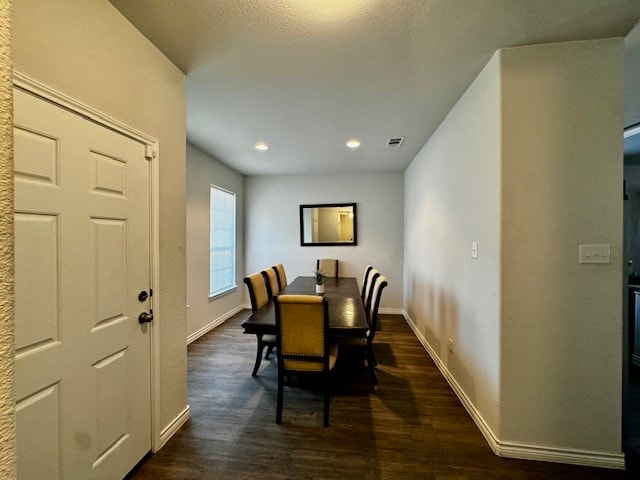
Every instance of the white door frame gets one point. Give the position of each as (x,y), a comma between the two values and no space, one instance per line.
(36,88)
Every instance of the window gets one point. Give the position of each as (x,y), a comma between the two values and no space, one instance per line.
(222,241)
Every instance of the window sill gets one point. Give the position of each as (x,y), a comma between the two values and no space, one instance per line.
(223,293)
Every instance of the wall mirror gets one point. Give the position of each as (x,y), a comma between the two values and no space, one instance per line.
(328,224)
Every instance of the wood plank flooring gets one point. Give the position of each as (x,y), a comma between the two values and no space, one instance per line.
(412,426)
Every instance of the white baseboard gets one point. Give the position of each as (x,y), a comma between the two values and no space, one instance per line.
(174,426)
(573,457)
(391,311)
(210,326)
(514,450)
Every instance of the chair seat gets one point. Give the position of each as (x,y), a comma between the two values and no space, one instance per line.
(304,366)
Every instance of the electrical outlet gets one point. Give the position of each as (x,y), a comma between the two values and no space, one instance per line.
(450,346)
(474,249)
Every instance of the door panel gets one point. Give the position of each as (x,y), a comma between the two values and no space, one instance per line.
(109,242)
(37,271)
(82,255)
(38,425)
(36,157)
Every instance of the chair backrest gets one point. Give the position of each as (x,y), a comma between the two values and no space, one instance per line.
(368,293)
(365,280)
(271,279)
(302,325)
(258,291)
(329,266)
(380,283)
(282,277)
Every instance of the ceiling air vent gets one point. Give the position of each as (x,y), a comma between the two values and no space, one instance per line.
(394,142)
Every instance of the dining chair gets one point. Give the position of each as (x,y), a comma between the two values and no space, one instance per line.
(271,279)
(329,266)
(366,344)
(282,277)
(260,296)
(365,280)
(368,292)
(302,325)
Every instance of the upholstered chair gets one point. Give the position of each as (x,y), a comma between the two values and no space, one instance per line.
(368,291)
(260,296)
(282,277)
(329,266)
(302,323)
(366,344)
(271,279)
(365,280)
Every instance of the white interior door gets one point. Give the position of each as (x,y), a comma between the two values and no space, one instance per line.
(83,394)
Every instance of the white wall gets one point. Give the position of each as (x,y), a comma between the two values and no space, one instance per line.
(87,50)
(452,198)
(529,164)
(561,352)
(272,220)
(203,171)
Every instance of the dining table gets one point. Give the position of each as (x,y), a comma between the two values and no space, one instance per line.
(347,317)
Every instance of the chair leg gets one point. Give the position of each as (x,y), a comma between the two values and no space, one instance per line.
(371,363)
(269,350)
(280,398)
(258,356)
(326,401)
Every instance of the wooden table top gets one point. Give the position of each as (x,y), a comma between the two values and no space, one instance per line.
(346,313)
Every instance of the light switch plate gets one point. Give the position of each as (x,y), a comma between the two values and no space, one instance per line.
(595,253)
(474,249)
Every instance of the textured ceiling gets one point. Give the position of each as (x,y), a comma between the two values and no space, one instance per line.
(305,76)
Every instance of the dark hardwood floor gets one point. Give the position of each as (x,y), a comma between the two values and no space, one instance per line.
(412,426)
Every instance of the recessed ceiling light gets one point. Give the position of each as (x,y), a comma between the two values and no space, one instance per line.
(261,146)
(353,143)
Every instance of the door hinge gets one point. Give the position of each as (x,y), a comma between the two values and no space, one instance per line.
(149,152)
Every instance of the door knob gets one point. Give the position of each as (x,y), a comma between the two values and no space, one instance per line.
(143,295)
(145,317)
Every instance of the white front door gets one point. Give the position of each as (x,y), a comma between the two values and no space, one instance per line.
(83,392)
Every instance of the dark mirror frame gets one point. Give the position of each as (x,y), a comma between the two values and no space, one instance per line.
(324,244)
